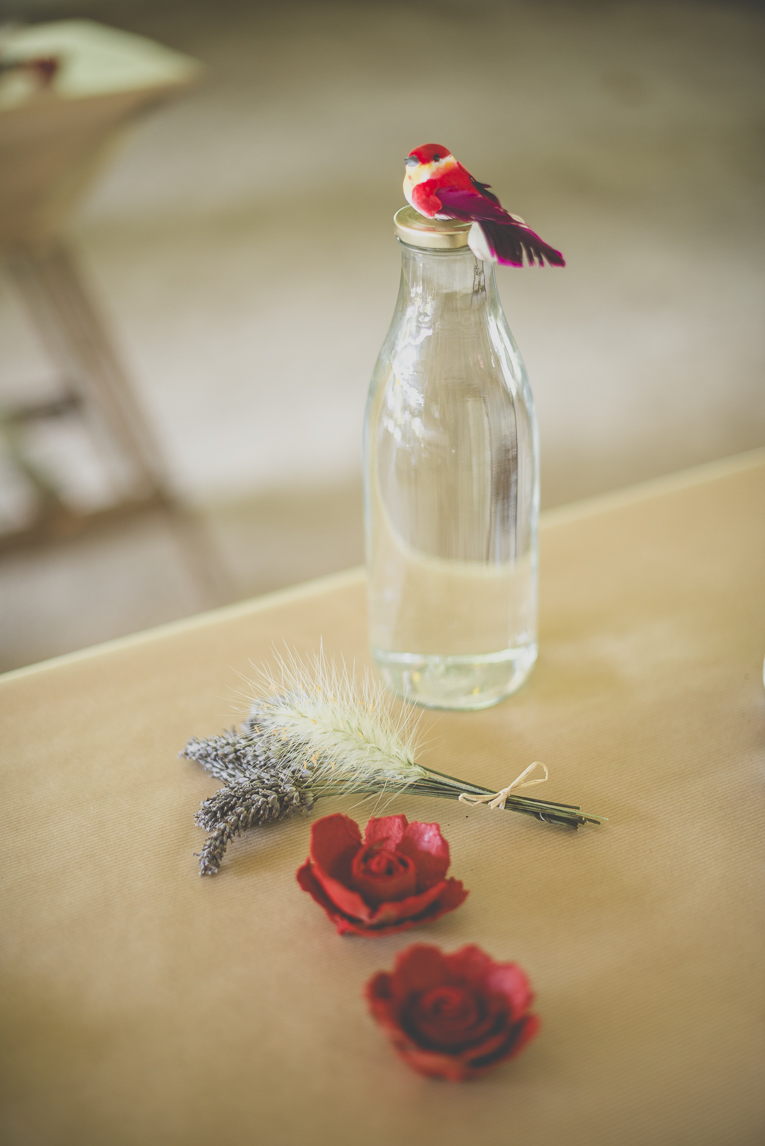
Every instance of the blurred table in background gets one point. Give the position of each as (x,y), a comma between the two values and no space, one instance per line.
(142,1005)
(55,137)
(68,91)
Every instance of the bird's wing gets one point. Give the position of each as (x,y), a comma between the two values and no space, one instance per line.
(507,239)
(469,203)
(484,189)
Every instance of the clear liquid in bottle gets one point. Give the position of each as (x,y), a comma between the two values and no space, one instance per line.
(451,490)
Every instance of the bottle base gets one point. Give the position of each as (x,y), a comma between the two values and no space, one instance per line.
(464,683)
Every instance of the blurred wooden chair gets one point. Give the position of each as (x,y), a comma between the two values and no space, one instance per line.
(68,91)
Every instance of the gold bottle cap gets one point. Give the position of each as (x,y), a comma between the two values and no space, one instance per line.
(432,234)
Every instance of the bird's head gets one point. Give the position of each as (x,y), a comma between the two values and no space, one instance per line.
(426,162)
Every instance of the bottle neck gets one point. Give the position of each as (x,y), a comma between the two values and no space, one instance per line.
(433,282)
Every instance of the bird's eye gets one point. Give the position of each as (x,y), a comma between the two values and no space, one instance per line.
(436,158)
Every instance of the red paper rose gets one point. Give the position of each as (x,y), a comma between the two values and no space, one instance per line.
(392,879)
(453,1016)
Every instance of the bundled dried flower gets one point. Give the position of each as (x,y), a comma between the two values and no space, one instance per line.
(318,732)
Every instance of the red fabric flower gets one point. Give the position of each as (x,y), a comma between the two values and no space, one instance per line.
(453,1016)
(392,879)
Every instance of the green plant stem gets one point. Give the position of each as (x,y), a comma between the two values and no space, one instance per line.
(450,787)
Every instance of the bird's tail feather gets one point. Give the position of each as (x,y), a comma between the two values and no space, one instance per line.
(509,242)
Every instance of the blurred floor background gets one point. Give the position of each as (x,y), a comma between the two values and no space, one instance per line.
(240,246)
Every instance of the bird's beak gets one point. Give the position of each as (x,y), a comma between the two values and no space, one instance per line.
(411,161)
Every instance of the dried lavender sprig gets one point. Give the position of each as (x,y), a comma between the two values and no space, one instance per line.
(243,805)
(261,787)
(233,756)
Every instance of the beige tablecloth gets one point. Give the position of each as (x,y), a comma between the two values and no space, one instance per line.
(144,1005)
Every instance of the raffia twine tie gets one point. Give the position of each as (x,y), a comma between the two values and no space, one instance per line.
(499,798)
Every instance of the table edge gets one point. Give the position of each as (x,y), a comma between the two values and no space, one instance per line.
(652,488)
(549,519)
(250,605)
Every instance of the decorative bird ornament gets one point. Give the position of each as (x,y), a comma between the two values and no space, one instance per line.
(439,187)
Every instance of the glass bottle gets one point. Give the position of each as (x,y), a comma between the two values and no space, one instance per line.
(451,480)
